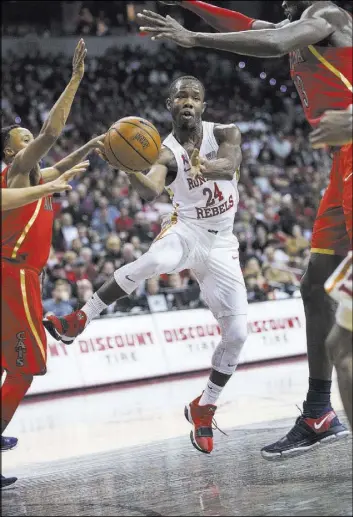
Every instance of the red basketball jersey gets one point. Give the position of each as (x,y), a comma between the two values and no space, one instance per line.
(323,78)
(27,231)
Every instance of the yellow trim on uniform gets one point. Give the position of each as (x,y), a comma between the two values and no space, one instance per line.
(28,314)
(339,277)
(163,232)
(173,221)
(26,229)
(330,67)
(322,251)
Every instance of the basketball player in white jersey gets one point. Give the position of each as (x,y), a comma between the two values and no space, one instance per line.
(339,342)
(199,237)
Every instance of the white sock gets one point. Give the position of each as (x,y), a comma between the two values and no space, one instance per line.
(211,394)
(93,307)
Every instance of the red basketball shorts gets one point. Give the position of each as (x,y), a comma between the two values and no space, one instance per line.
(332,232)
(24,342)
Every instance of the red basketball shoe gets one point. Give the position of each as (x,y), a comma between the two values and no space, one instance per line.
(202,418)
(67,328)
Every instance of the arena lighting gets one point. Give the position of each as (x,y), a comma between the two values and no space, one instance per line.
(263,75)
(272,81)
(241,64)
(17,120)
(283,88)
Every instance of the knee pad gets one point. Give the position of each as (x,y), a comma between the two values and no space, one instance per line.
(234,333)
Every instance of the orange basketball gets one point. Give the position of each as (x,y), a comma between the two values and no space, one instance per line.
(132,144)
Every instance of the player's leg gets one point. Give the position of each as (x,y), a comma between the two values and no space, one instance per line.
(7,442)
(222,285)
(339,345)
(318,422)
(24,339)
(339,341)
(164,256)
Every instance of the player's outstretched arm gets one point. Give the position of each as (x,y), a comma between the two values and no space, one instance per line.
(51,173)
(262,43)
(16,197)
(224,20)
(152,185)
(229,156)
(27,158)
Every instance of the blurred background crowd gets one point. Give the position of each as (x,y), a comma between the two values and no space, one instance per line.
(103,224)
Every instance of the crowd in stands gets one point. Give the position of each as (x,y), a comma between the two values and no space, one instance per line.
(103,224)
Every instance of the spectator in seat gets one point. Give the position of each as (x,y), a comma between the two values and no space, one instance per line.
(296,243)
(128,253)
(83,234)
(135,241)
(255,291)
(84,292)
(110,212)
(113,248)
(76,245)
(143,229)
(86,254)
(276,273)
(68,230)
(105,273)
(54,273)
(85,23)
(78,271)
(253,269)
(124,222)
(100,222)
(74,208)
(59,303)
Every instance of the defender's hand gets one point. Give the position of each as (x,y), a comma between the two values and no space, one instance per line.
(195,161)
(204,166)
(78,62)
(166,28)
(61,184)
(334,128)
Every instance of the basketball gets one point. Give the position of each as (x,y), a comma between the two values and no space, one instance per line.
(132,144)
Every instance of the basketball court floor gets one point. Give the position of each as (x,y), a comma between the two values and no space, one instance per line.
(126,451)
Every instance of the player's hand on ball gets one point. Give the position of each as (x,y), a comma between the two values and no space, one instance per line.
(162,27)
(61,184)
(97,144)
(78,62)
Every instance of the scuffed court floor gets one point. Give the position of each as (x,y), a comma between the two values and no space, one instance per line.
(127,452)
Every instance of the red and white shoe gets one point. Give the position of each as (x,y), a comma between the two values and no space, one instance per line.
(202,418)
(66,328)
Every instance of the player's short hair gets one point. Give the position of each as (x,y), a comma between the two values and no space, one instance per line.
(5,135)
(190,78)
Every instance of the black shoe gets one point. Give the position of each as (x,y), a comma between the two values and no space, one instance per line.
(7,481)
(8,443)
(306,434)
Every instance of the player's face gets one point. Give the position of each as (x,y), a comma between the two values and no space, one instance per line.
(19,139)
(294,10)
(187,104)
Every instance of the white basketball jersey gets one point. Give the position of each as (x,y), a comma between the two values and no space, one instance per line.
(340,284)
(211,204)
(340,287)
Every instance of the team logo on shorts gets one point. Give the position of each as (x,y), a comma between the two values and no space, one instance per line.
(20,348)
